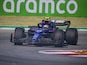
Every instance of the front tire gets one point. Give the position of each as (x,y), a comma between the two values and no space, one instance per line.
(18,34)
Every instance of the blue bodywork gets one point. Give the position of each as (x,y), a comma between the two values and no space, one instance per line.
(37,35)
(39,31)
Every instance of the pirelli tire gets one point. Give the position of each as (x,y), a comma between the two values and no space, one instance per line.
(72,36)
(18,34)
(59,38)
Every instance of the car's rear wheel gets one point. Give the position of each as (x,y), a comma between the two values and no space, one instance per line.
(18,34)
(72,36)
(59,38)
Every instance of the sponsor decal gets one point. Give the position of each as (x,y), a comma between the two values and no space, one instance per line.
(43,7)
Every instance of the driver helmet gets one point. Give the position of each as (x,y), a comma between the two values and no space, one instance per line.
(47,20)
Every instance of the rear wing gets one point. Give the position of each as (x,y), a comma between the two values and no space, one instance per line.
(61,23)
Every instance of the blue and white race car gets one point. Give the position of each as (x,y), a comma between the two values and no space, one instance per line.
(47,32)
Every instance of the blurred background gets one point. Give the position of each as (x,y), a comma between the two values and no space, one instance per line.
(30,12)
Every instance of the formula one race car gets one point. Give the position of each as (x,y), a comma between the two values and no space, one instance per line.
(46,32)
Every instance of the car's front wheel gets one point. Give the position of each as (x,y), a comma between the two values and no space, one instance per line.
(18,34)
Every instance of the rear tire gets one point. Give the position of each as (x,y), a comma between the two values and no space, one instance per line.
(59,38)
(19,33)
(72,36)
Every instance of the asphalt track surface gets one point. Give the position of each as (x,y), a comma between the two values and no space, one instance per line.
(28,55)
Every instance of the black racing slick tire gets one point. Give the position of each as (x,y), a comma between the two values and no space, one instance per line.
(72,36)
(18,34)
(59,38)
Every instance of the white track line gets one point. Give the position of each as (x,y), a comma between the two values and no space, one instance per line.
(63,52)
